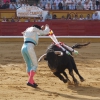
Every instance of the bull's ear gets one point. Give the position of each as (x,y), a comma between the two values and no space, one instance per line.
(42,57)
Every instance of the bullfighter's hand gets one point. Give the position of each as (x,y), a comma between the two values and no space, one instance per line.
(47,25)
(75,51)
(51,32)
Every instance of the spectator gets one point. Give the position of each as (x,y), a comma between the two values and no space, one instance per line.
(75,17)
(34,19)
(19,4)
(12,5)
(81,17)
(53,6)
(69,3)
(57,2)
(97,4)
(28,20)
(4,1)
(73,4)
(79,6)
(34,4)
(60,6)
(40,5)
(4,19)
(86,6)
(12,20)
(91,4)
(48,6)
(44,2)
(67,16)
(23,4)
(1,2)
(18,19)
(17,1)
(6,5)
(41,19)
(7,20)
(63,17)
(26,4)
(88,17)
(50,1)
(94,4)
(0,6)
(95,16)
(54,16)
(82,2)
(12,0)
(64,4)
(48,16)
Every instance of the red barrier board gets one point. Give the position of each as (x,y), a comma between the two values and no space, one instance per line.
(60,27)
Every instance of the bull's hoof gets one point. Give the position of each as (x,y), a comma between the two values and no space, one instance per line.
(69,82)
(76,82)
(65,81)
(82,80)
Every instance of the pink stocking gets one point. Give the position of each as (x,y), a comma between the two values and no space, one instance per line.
(31,75)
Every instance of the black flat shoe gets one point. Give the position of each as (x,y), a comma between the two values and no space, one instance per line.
(35,84)
(32,85)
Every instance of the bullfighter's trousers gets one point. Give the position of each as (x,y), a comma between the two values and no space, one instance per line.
(29,56)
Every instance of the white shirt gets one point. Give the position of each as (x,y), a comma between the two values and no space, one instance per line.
(57,2)
(12,6)
(95,17)
(32,33)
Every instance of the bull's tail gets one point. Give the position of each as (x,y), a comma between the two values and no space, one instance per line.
(80,45)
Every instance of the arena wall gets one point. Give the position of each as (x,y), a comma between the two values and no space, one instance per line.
(66,31)
(60,28)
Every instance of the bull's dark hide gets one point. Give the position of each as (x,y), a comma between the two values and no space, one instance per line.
(58,64)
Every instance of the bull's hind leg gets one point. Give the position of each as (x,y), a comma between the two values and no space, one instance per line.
(74,79)
(60,77)
(64,73)
(77,72)
(81,78)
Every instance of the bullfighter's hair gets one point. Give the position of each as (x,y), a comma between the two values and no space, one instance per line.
(37,26)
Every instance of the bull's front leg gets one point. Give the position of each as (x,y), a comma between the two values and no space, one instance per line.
(60,77)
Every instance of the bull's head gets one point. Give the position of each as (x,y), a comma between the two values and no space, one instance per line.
(59,53)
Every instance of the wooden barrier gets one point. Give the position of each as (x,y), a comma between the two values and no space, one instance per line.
(60,28)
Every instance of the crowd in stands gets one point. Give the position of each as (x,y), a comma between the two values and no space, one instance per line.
(95,16)
(53,4)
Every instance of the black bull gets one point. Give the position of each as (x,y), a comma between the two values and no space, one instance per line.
(58,63)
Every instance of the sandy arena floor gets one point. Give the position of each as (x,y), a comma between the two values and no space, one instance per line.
(13,76)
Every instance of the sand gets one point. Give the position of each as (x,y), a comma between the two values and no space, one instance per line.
(13,76)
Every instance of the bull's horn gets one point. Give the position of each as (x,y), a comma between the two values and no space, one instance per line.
(43,56)
(59,53)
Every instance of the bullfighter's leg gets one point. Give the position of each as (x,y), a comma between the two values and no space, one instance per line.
(76,70)
(64,73)
(60,77)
